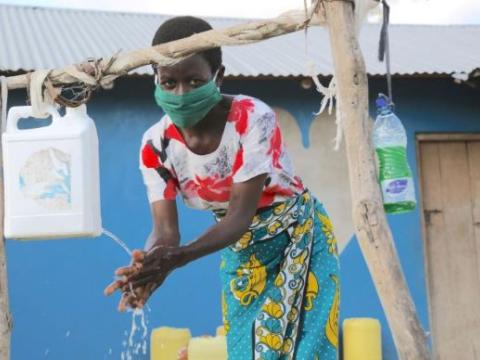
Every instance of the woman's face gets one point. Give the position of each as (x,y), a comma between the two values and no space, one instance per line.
(185,76)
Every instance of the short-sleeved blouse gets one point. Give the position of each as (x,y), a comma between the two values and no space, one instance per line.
(251,145)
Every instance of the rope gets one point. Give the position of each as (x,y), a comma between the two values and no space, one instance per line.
(360,8)
(313,10)
(45,89)
(40,99)
(384,47)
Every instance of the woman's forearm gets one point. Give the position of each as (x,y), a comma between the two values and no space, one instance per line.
(156,239)
(217,237)
(242,207)
(164,225)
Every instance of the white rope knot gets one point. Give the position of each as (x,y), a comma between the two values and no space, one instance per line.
(94,73)
(40,97)
(361,9)
(45,89)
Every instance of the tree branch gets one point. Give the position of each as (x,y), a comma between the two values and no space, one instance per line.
(175,51)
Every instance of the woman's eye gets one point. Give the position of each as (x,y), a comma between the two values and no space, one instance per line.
(196,82)
(168,84)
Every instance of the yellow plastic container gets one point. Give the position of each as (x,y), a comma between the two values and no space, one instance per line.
(207,348)
(362,339)
(221,331)
(165,342)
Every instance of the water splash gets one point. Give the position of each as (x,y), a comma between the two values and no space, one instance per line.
(117,240)
(136,342)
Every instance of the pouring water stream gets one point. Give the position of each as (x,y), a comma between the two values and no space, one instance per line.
(117,240)
(135,343)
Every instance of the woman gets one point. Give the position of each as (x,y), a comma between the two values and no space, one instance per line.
(225,153)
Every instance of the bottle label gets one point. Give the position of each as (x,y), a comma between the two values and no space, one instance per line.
(396,186)
(398,190)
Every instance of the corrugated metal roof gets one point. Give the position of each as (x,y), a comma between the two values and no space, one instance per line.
(34,38)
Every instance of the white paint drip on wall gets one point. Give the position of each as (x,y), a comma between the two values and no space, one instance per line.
(323,170)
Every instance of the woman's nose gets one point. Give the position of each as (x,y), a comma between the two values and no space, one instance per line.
(182,88)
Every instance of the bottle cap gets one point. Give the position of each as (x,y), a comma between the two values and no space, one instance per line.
(383,103)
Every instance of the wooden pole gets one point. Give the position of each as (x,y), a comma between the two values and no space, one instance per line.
(371,227)
(5,317)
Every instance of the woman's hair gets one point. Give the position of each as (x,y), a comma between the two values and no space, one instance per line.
(184,26)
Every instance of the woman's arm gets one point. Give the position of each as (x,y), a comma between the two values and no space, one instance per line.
(242,207)
(159,261)
(150,268)
(165,225)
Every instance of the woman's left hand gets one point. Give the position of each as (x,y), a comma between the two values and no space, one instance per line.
(144,275)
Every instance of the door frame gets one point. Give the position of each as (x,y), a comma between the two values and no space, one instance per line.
(432,137)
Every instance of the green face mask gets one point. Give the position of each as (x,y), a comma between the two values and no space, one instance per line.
(188,109)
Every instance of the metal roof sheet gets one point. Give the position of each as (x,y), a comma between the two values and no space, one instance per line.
(35,38)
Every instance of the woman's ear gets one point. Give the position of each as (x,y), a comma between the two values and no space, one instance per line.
(220,75)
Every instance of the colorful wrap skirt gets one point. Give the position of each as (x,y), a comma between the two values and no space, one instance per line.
(280,285)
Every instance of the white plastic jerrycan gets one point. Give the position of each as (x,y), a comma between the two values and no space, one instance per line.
(51,176)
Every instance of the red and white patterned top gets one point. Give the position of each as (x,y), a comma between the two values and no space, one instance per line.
(251,145)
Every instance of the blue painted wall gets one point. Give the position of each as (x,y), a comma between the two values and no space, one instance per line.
(56,286)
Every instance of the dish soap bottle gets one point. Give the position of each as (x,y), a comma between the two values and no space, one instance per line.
(395,175)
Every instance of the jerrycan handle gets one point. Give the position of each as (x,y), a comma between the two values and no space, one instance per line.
(21,112)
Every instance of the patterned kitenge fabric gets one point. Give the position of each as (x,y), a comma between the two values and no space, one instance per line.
(281,288)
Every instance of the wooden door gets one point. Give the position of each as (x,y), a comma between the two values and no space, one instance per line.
(450,189)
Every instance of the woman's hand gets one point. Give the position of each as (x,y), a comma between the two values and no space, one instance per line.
(131,296)
(144,275)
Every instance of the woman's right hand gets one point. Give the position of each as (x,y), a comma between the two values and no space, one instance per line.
(131,297)
(144,275)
